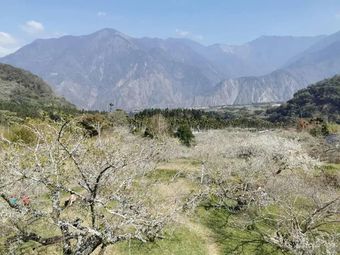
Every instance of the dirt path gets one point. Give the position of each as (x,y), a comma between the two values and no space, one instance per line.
(203,232)
(181,188)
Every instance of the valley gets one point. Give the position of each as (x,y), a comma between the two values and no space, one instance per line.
(169,127)
(245,179)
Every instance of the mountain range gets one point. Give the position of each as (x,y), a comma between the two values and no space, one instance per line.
(109,67)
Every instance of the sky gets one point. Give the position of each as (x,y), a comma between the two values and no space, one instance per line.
(205,21)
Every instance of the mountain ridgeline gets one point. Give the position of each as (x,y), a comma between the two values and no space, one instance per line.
(26,93)
(110,68)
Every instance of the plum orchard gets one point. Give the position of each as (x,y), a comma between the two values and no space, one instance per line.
(270,181)
(97,174)
(89,193)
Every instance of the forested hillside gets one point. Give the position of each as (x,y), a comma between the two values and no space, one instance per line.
(27,94)
(320,100)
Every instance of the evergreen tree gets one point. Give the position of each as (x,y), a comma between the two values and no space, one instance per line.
(185,135)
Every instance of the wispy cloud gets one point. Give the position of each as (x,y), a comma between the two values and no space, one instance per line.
(182,33)
(101,14)
(187,34)
(8,44)
(33,27)
(6,39)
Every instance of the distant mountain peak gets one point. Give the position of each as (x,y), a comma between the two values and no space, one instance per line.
(105,32)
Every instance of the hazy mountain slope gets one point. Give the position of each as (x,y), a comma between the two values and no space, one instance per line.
(313,65)
(20,86)
(269,53)
(276,87)
(324,42)
(317,65)
(107,66)
(258,57)
(183,51)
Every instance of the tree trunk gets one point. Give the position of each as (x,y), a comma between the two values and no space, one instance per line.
(88,245)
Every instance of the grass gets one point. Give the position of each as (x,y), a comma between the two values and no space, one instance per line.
(180,241)
(181,164)
(231,237)
(335,168)
(333,128)
(165,175)
(330,174)
(44,229)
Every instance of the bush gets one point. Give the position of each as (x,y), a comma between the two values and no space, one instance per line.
(333,128)
(93,124)
(148,133)
(330,175)
(185,135)
(320,130)
(20,134)
(8,117)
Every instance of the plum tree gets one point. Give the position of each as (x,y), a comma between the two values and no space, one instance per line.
(99,174)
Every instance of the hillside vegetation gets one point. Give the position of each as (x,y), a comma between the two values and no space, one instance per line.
(199,119)
(21,86)
(321,100)
(24,94)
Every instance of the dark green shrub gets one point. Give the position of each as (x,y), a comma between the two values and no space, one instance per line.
(55,117)
(148,133)
(185,135)
(320,130)
(93,124)
(90,130)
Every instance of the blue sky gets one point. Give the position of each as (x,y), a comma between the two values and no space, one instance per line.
(206,21)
